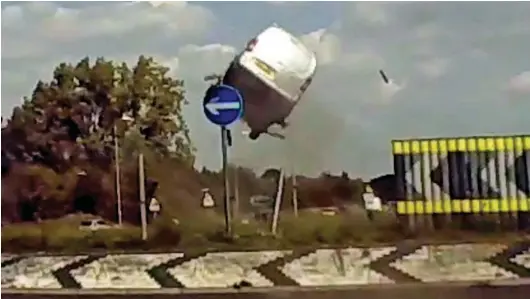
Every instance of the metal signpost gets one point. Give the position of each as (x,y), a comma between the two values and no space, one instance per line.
(223,106)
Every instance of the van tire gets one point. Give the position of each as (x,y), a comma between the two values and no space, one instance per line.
(253,135)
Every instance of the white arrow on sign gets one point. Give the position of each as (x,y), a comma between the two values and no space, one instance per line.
(214,106)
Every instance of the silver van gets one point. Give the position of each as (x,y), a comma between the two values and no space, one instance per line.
(271,73)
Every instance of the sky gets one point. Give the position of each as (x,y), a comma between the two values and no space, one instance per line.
(457,69)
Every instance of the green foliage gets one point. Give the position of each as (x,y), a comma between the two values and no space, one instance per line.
(62,138)
(23,238)
(164,232)
(204,231)
(84,101)
(66,132)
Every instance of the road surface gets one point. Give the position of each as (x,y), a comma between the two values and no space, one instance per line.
(466,290)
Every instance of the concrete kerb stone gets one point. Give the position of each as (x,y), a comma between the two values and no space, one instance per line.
(468,290)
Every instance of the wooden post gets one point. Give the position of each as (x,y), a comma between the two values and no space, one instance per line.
(295,194)
(118,175)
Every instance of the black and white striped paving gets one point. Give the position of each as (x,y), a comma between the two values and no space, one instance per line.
(319,267)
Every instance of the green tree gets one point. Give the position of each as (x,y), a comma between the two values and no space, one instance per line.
(61,137)
(84,101)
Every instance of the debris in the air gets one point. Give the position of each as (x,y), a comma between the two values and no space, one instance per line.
(389,87)
(383,75)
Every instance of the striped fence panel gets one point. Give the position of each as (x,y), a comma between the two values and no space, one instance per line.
(462,175)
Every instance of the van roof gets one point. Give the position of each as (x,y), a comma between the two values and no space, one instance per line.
(276,32)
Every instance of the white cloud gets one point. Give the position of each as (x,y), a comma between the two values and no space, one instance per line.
(280,2)
(327,46)
(61,25)
(11,15)
(362,60)
(428,31)
(434,68)
(210,48)
(478,53)
(118,31)
(198,61)
(520,84)
(424,37)
(372,13)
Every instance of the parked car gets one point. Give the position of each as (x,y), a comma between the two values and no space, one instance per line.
(94,224)
(271,73)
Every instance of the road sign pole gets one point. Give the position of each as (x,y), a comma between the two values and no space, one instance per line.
(224,150)
(223,105)
(236,192)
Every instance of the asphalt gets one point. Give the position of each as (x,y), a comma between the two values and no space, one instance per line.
(510,289)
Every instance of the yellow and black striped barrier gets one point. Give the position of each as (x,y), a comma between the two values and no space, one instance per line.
(463,175)
(463,206)
(461,144)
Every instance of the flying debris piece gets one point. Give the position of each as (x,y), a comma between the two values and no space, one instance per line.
(383,75)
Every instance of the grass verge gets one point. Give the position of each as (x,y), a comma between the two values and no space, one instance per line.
(205,231)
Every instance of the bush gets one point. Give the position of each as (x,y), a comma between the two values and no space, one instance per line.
(164,233)
(67,238)
(205,230)
(314,228)
(22,238)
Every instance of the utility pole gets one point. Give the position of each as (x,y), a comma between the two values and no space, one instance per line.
(118,174)
(127,119)
(277,203)
(143,212)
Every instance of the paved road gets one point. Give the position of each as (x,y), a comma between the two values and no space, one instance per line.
(401,291)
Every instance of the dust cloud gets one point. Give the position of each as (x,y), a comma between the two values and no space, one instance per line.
(313,132)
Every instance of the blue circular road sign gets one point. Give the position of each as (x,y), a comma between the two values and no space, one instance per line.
(223,105)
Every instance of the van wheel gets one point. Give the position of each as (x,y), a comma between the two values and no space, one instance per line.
(253,135)
(284,124)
